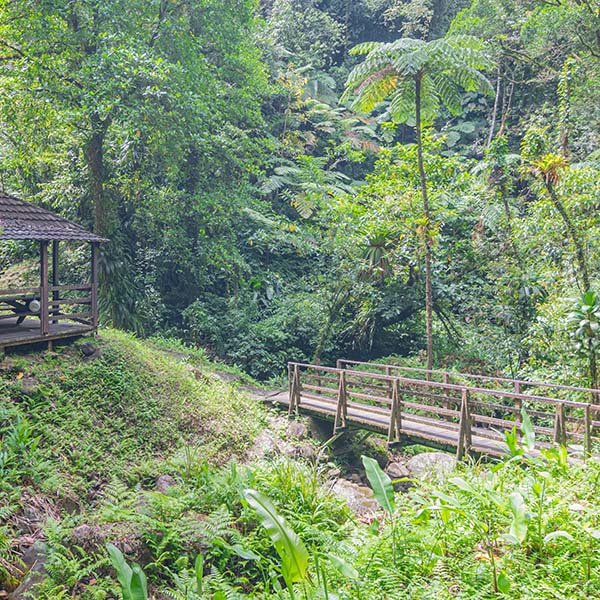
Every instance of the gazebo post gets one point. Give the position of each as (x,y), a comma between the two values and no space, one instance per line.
(94,282)
(55,280)
(44,324)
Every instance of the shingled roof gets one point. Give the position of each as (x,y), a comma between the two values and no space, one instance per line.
(25,221)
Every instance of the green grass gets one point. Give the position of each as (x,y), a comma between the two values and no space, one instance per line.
(124,412)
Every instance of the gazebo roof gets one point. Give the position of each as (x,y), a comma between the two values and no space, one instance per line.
(25,221)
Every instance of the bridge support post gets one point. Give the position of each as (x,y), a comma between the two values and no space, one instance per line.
(587,434)
(341,413)
(395,429)
(294,391)
(518,405)
(446,402)
(560,429)
(464,433)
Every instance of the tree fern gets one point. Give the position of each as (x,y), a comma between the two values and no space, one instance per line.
(418,77)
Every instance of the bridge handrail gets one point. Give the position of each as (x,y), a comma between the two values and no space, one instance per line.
(392,403)
(473,376)
(453,387)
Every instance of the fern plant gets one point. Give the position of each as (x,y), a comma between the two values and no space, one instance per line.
(419,77)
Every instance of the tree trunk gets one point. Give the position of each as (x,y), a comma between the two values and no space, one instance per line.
(594,375)
(495,110)
(427,213)
(579,251)
(94,157)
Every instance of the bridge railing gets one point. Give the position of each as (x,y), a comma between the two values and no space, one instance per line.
(540,388)
(380,399)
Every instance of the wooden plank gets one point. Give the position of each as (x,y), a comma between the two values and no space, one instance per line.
(380,399)
(318,388)
(437,410)
(71,288)
(71,301)
(341,413)
(473,432)
(29,333)
(14,315)
(315,377)
(395,427)
(44,321)
(87,317)
(55,276)
(19,291)
(512,382)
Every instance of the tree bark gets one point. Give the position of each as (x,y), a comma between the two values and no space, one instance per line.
(94,158)
(579,250)
(427,213)
(495,110)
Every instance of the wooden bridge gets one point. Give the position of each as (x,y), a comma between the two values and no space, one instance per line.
(469,413)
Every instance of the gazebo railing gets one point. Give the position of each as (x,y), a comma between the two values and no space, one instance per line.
(72,302)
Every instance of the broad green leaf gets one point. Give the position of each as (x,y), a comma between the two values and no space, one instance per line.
(199,572)
(242,552)
(139,584)
(291,549)
(459,482)
(510,538)
(556,535)
(344,567)
(528,431)
(503,583)
(518,526)
(381,484)
(124,571)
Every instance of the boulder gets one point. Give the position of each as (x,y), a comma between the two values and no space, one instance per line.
(264,445)
(163,483)
(88,537)
(308,452)
(298,430)
(334,473)
(359,498)
(397,470)
(431,465)
(34,559)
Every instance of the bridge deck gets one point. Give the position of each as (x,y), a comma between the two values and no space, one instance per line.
(416,428)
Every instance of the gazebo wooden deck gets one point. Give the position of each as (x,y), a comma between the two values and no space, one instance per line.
(50,311)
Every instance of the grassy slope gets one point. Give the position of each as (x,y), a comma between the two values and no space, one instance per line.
(108,425)
(125,411)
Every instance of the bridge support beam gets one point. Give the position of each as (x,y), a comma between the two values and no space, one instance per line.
(395,430)
(560,429)
(294,375)
(464,434)
(587,433)
(341,413)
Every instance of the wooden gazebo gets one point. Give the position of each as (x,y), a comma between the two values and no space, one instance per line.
(51,311)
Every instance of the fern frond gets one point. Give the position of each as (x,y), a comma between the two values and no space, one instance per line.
(402,101)
(364,48)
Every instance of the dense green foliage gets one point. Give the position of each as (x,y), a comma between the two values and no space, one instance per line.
(251,208)
(61,416)
(298,180)
(520,528)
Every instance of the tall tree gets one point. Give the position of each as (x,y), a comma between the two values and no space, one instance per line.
(135,101)
(418,78)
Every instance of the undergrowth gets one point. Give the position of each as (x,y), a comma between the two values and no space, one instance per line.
(70,423)
(84,439)
(522,528)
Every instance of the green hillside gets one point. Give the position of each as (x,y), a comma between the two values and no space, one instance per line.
(129,408)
